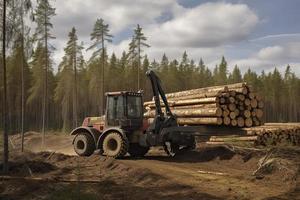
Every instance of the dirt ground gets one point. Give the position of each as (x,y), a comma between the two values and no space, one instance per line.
(209,172)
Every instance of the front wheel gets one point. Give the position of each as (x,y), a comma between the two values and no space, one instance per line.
(84,144)
(115,145)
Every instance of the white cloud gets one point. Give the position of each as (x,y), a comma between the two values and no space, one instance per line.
(270,57)
(205,31)
(202,31)
(118,14)
(207,25)
(274,52)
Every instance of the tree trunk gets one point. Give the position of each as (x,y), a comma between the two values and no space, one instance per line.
(102,85)
(75,119)
(45,81)
(5,108)
(23,79)
(205,112)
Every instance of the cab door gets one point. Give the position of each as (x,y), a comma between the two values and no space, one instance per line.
(115,110)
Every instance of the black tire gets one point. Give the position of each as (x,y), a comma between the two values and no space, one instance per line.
(115,145)
(84,144)
(136,150)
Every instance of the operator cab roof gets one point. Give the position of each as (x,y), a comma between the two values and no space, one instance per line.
(128,93)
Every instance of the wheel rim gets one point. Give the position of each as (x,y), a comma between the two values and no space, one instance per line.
(80,145)
(112,144)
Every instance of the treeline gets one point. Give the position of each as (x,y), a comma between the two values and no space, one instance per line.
(61,100)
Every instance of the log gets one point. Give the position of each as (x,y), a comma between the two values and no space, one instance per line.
(258,97)
(199,121)
(232,115)
(197,91)
(233,122)
(242,90)
(232,107)
(241,97)
(226,112)
(236,85)
(212,89)
(222,100)
(196,121)
(248,122)
(259,113)
(203,112)
(226,121)
(232,138)
(232,93)
(237,112)
(246,113)
(208,100)
(241,108)
(231,100)
(251,95)
(226,143)
(240,122)
(253,103)
(247,102)
(209,105)
(198,95)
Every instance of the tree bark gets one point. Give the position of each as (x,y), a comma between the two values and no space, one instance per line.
(208,100)
(5,108)
(204,112)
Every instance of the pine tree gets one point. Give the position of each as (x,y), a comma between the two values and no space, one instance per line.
(43,14)
(100,35)
(66,91)
(25,7)
(235,76)
(5,110)
(135,50)
(222,72)
(184,70)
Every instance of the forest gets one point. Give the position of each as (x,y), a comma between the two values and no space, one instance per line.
(40,98)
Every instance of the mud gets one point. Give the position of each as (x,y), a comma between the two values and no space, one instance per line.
(209,172)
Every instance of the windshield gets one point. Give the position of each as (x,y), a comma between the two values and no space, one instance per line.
(134,106)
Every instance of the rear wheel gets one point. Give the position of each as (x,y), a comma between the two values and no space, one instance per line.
(114,145)
(136,150)
(84,144)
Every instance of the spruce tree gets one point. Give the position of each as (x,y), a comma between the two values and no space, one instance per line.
(235,76)
(222,72)
(5,110)
(43,14)
(136,48)
(100,36)
(66,92)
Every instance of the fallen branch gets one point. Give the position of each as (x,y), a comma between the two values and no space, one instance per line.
(2,178)
(214,173)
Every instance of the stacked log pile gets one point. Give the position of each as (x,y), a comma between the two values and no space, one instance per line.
(230,105)
(267,134)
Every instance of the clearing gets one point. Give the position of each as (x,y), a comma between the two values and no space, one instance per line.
(209,172)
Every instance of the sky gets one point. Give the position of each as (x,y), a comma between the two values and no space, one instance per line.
(255,34)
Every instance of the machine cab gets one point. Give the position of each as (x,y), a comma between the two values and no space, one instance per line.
(124,109)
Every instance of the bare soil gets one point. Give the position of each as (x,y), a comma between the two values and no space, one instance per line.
(209,172)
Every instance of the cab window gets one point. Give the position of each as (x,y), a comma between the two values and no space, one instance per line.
(115,107)
(134,106)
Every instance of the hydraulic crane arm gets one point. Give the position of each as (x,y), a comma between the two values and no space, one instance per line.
(158,92)
(160,121)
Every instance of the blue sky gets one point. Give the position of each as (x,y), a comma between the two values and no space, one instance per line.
(260,34)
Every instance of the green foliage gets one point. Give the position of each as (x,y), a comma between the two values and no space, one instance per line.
(43,14)
(135,54)
(99,36)
(76,90)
